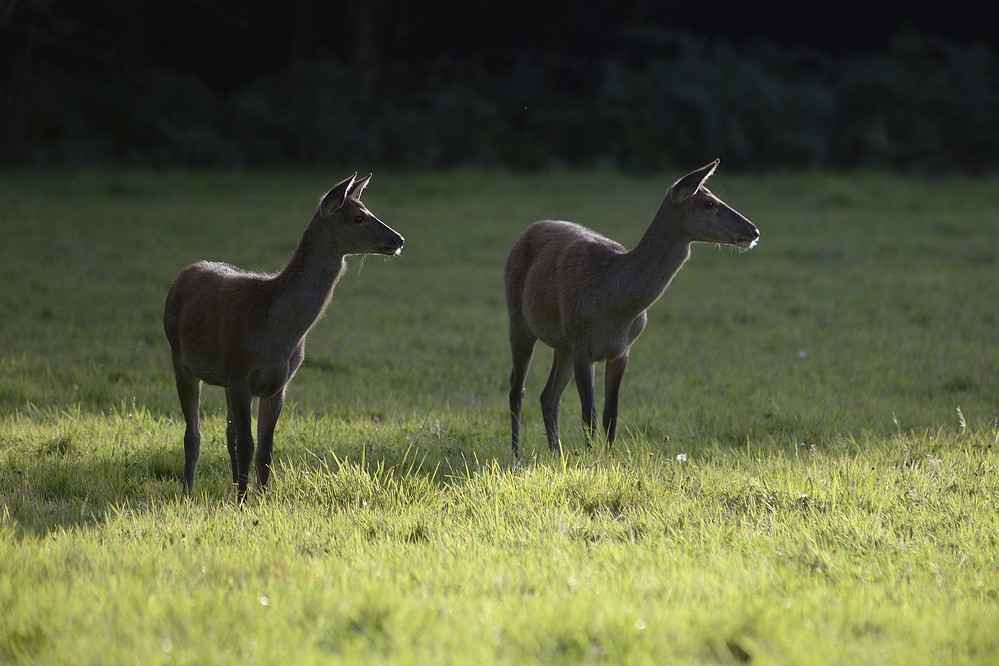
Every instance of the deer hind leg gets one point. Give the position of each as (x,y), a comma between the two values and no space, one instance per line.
(230,435)
(522,349)
(583,369)
(614,373)
(239,398)
(558,379)
(267,417)
(189,392)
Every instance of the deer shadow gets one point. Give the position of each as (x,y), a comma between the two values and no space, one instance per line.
(59,488)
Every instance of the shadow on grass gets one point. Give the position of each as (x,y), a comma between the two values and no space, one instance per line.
(58,487)
(73,471)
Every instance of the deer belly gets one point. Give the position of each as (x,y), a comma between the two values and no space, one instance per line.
(270,377)
(605,351)
(605,346)
(265,382)
(205,370)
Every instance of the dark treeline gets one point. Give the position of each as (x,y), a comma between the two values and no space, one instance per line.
(670,99)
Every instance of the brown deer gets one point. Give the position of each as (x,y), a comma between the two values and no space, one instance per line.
(246,331)
(586,296)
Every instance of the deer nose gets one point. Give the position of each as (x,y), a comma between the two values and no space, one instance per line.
(396,246)
(749,239)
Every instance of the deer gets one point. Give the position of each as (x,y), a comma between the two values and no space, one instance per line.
(587,297)
(246,331)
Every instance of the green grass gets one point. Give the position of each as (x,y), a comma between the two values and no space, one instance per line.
(807,471)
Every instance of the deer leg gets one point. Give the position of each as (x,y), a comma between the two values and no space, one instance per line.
(583,368)
(267,418)
(240,399)
(189,392)
(522,350)
(614,373)
(230,435)
(558,379)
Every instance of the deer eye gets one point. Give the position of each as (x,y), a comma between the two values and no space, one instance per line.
(358,219)
(709,204)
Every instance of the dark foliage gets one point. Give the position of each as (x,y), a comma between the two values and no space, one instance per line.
(923,105)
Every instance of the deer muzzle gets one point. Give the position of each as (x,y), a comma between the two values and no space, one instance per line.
(748,240)
(394,248)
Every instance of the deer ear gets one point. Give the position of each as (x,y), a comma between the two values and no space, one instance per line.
(689,184)
(336,197)
(355,189)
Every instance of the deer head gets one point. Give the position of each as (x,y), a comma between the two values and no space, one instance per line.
(704,217)
(355,229)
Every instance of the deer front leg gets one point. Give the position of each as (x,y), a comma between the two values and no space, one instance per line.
(583,368)
(240,399)
(558,379)
(614,373)
(267,417)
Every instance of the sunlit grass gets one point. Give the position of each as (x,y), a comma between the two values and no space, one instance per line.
(806,472)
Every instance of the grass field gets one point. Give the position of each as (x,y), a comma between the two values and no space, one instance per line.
(807,468)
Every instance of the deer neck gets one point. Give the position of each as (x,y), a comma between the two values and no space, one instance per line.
(646,271)
(303,289)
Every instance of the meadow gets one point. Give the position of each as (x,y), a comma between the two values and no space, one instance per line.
(806,470)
